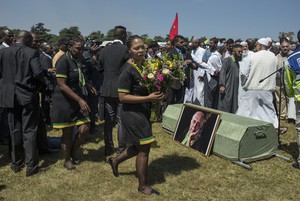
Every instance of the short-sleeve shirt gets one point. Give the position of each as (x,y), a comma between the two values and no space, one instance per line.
(130,82)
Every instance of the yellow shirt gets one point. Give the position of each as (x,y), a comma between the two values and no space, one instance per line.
(56,57)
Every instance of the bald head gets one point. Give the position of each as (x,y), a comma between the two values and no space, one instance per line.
(25,38)
(47,48)
(197,121)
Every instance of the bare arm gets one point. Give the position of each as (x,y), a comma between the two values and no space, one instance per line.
(129,98)
(69,92)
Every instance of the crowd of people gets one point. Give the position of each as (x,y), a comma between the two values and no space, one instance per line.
(80,83)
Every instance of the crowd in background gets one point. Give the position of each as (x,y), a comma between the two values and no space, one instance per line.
(73,88)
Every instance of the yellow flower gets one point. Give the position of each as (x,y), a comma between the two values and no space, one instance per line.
(150,76)
(166,71)
(169,63)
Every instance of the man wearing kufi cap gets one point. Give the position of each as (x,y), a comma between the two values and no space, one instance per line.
(197,55)
(257,101)
(244,68)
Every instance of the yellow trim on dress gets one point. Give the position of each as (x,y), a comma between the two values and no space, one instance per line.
(124,90)
(147,140)
(77,123)
(61,75)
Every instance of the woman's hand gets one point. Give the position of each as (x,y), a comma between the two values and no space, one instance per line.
(93,91)
(156,96)
(84,108)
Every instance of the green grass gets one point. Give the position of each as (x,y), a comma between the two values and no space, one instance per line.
(178,172)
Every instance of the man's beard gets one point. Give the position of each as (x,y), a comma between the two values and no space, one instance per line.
(245,53)
(238,58)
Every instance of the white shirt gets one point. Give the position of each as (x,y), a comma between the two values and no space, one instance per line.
(215,62)
(117,40)
(197,56)
(4,44)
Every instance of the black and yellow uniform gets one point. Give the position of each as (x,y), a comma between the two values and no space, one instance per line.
(136,125)
(65,111)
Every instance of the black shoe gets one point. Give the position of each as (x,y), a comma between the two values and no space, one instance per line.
(37,170)
(108,152)
(296,165)
(114,169)
(75,160)
(16,168)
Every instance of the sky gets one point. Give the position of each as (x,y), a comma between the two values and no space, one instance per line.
(210,18)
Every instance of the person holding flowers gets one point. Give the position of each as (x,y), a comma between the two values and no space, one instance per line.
(135,115)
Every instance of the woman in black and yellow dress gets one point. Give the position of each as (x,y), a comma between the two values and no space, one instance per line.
(135,114)
(69,106)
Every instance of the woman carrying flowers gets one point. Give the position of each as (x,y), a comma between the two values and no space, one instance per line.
(135,114)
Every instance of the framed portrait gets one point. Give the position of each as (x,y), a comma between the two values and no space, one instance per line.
(196,127)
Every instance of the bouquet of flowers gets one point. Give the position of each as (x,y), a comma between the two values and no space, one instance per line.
(161,73)
(158,75)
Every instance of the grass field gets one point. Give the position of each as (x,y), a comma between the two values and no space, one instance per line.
(179,173)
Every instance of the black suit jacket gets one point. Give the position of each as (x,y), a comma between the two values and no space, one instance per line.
(46,63)
(111,60)
(2,46)
(20,75)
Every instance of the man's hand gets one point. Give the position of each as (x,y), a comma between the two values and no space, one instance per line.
(222,90)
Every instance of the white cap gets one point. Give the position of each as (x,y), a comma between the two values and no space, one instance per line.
(264,41)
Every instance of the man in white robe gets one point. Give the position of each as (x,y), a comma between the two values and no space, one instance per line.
(257,101)
(244,68)
(197,55)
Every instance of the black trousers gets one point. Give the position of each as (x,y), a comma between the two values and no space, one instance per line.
(41,136)
(92,101)
(46,103)
(112,116)
(4,129)
(23,124)
(175,96)
(211,92)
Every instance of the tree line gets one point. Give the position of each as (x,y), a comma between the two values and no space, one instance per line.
(46,36)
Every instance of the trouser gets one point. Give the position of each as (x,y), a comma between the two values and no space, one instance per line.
(4,129)
(23,124)
(175,95)
(211,93)
(283,100)
(41,136)
(92,101)
(46,101)
(298,126)
(101,107)
(113,109)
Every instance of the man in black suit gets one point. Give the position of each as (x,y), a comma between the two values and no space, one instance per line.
(176,92)
(21,75)
(46,62)
(110,62)
(7,39)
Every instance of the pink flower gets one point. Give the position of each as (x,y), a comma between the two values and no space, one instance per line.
(157,86)
(160,77)
(145,77)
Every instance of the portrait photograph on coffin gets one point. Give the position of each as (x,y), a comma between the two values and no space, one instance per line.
(196,128)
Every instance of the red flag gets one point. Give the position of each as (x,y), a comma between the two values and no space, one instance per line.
(174,28)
